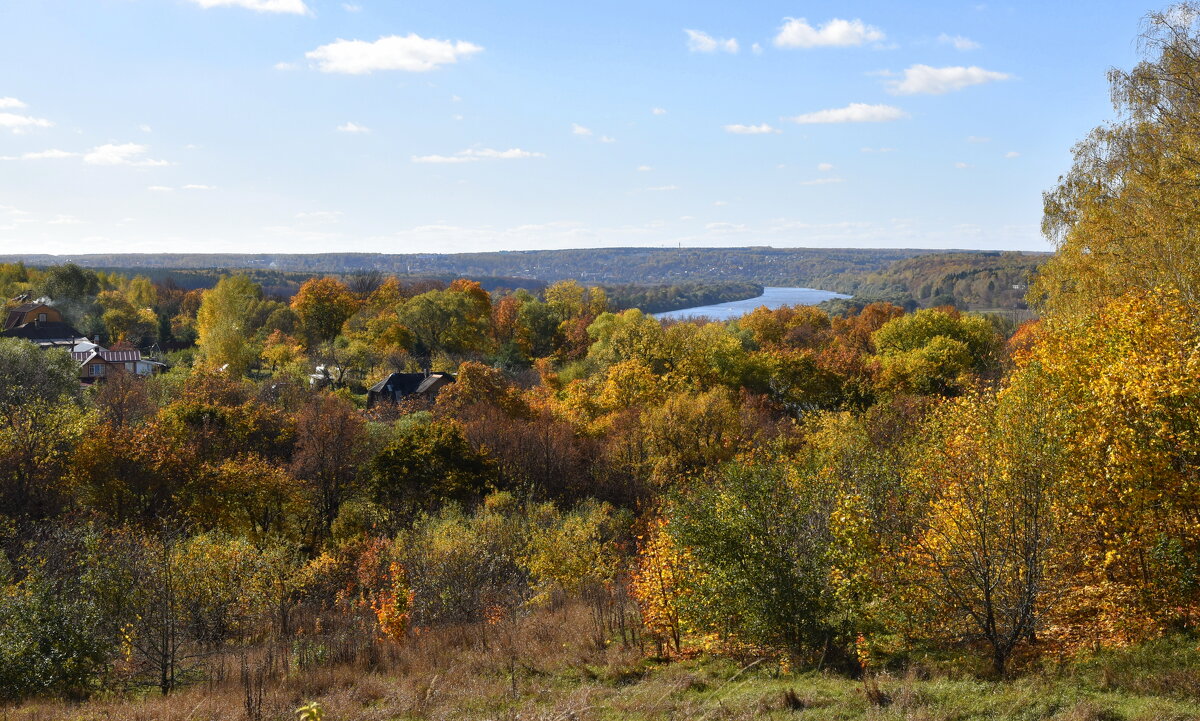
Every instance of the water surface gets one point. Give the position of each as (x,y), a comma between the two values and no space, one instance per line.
(772,298)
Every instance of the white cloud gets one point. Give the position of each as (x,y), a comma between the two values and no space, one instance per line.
(351,7)
(644,168)
(64,220)
(959,42)
(410,53)
(1012,154)
(197,186)
(821,181)
(159,188)
(472,155)
(978,139)
(701,42)
(661,188)
(852,113)
(751,129)
(12,103)
(21,123)
(797,33)
(961,165)
(122,154)
(923,79)
(659,111)
(756,49)
(51,154)
(284,66)
(294,7)
(577,129)
(353,128)
(145,128)
(720,203)
(877,150)
(825,167)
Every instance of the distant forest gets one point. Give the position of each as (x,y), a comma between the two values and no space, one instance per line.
(766,266)
(969,281)
(653,279)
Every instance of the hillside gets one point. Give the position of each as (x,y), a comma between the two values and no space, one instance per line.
(766,266)
(970,281)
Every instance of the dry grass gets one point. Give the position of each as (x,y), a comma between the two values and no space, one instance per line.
(547,668)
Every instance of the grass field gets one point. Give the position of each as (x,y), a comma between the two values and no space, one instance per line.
(544,672)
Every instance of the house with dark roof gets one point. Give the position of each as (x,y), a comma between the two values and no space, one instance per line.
(398,386)
(36,312)
(39,322)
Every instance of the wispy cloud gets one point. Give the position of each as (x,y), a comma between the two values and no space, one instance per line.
(353,128)
(852,113)
(12,104)
(822,181)
(927,80)
(410,53)
(958,42)
(824,167)
(22,123)
(797,33)
(293,7)
(1012,154)
(472,155)
(121,154)
(577,129)
(51,154)
(659,111)
(701,42)
(761,129)
(662,188)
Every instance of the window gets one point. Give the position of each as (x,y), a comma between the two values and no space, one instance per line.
(41,317)
(97,369)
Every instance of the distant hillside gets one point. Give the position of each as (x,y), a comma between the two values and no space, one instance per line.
(971,281)
(765,266)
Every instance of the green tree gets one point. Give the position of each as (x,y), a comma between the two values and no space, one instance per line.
(28,373)
(223,324)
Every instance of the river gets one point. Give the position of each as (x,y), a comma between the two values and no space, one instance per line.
(772,298)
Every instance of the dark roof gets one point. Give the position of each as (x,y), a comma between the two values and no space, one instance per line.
(405,384)
(401,383)
(50,330)
(433,381)
(17,315)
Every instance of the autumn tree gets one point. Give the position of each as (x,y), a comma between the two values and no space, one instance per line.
(444,321)
(1126,215)
(328,452)
(934,350)
(223,324)
(322,305)
(981,550)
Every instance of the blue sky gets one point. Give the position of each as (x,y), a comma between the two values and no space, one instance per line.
(453,125)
